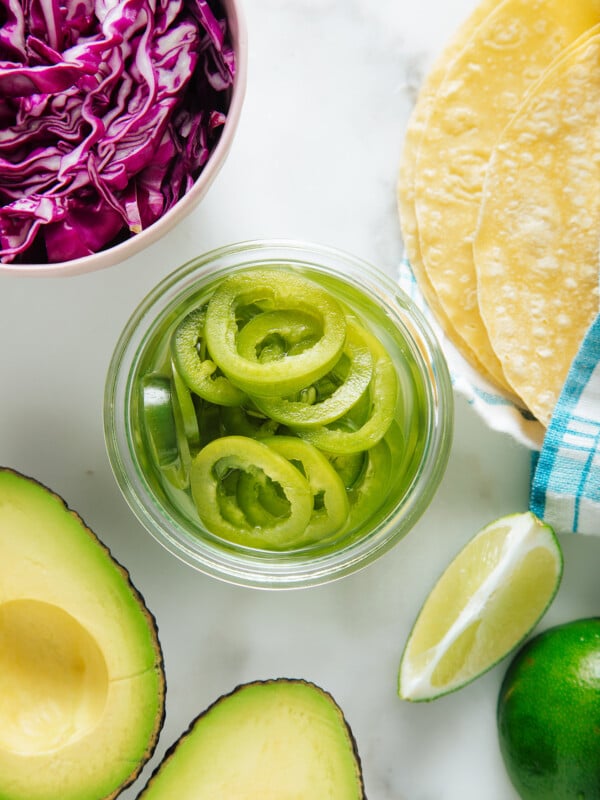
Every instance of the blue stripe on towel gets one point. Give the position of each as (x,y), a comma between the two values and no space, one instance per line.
(566,482)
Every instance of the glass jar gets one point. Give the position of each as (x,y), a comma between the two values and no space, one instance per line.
(423,417)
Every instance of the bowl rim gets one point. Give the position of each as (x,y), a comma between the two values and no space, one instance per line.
(113,256)
(260,571)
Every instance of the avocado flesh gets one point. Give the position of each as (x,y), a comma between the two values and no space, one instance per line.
(274,740)
(81,671)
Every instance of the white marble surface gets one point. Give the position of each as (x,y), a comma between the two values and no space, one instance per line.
(331,85)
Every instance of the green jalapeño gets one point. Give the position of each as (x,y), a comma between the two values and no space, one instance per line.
(278,409)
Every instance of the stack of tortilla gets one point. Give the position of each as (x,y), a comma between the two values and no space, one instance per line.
(499,191)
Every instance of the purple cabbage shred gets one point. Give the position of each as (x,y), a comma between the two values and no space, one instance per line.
(109,110)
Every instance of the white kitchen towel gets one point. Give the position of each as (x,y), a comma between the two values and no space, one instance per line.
(565,489)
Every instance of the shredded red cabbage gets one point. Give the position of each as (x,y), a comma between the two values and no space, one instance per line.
(109,109)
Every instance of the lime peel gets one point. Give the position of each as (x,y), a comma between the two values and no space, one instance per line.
(548,713)
(486,602)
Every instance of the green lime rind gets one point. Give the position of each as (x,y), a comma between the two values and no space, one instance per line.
(442,590)
(548,714)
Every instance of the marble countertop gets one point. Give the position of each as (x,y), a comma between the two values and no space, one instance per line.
(331,86)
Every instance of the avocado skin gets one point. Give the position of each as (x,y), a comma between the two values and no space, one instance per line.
(169,753)
(151,619)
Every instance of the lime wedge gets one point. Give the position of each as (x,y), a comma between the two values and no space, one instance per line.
(486,602)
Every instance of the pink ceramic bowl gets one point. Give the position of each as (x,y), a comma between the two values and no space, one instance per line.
(138,242)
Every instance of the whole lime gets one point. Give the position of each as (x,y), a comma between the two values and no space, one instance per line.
(549,714)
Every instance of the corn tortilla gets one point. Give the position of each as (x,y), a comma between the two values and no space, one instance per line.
(537,245)
(481,91)
(407,172)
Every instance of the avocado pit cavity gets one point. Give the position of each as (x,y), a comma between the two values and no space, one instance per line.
(53,678)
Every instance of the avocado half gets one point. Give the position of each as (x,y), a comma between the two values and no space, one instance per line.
(81,670)
(282,739)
